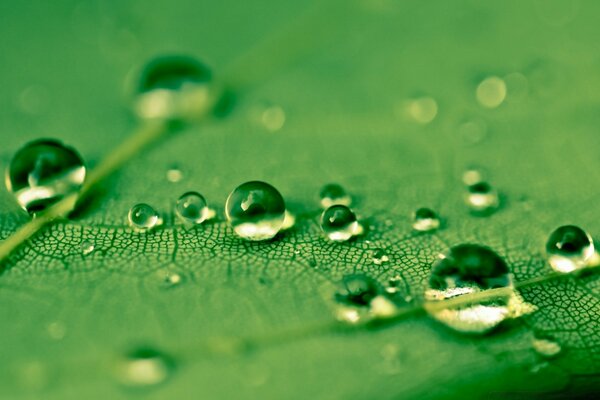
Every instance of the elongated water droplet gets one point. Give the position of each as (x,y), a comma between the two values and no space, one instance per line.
(425,220)
(569,248)
(87,247)
(482,199)
(43,172)
(144,367)
(380,256)
(174,88)
(333,194)
(192,209)
(142,217)
(468,273)
(255,210)
(491,92)
(339,223)
(546,347)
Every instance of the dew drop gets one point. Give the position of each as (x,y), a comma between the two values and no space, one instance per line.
(380,257)
(491,92)
(174,88)
(423,110)
(357,290)
(142,217)
(191,208)
(87,247)
(43,172)
(569,248)
(144,367)
(339,223)
(56,330)
(545,347)
(472,176)
(333,194)
(255,210)
(273,118)
(482,198)
(473,131)
(468,273)
(425,220)
(174,175)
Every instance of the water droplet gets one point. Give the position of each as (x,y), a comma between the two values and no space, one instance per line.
(472,176)
(423,110)
(357,290)
(393,285)
(191,208)
(56,330)
(144,367)
(569,248)
(380,256)
(491,92)
(175,88)
(482,198)
(545,347)
(143,217)
(339,223)
(43,172)
(333,194)
(289,221)
(425,220)
(255,210)
(273,118)
(174,174)
(172,280)
(479,279)
(473,131)
(87,247)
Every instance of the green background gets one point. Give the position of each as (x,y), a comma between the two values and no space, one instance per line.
(340,70)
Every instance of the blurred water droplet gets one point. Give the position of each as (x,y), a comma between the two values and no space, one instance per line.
(473,131)
(569,248)
(142,217)
(87,247)
(334,194)
(174,88)
(425,220)
(422,110)
(273,118)
(339,223)
(380,257)
(545,347)
(357,290)
(473,176)
(466,273)
(43,172)
(255,210)
(174,174)
(56,330)
(491,92)
(144,367)
(191,208)
(482,199)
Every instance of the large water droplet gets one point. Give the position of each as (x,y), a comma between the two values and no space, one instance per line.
(425,220)
(174,88)
(192,209)
(466,273)
(482,198)
(491,92)
(142,217)
(255,210)
(43,172)
(144,367)
(333,194)
(339,223)
(569,248)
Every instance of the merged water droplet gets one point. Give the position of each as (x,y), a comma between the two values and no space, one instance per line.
(569,248)
(144,367)
(491,92)
(333,194)
(174,88)
(143,217)
(425,220)
(339,223)
(380,256)
(478,280)
(255,210)
(482,198)
(43,172)
(191,208)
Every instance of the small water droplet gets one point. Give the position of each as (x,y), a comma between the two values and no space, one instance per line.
(333,194)
(380,256)
(569,248)
(56,330)
(87,247)
(423,110)
(191,208)
(546,347)
(142,217)
(465,273)
(43,172)
(482,198)
(174,174)
(357,290)
(173,279)
(174,88)
(425,220)
(273,118)
(339,223)
(255,210)
(473,176)
(491,92)
(144,367)
(473,131)
(393,285)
